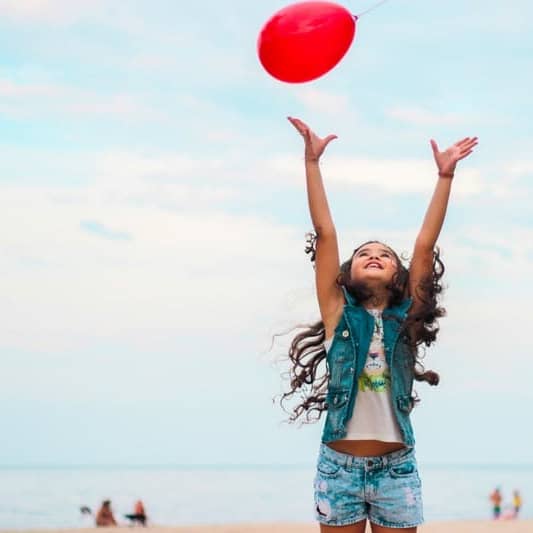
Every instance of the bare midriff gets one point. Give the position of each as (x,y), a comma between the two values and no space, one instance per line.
(365,448)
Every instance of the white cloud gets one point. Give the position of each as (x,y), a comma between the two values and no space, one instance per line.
(180,268)
(162,166)
(519,168)
(500,18)
(424,117)
(48,11)
(403,176)
(320,101)
(28,100)
(9,89)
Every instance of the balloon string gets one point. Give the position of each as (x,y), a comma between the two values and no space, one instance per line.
(375,6)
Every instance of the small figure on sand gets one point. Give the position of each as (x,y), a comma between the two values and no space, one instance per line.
(517,502)
(86,515)
(496,499)
(104,516)
(139,514)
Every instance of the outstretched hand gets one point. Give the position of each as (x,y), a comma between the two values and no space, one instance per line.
(447,160)
(314,145)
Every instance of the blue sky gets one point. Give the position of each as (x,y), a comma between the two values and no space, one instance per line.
(154,215)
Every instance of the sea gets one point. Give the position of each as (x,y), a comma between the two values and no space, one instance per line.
(51,497)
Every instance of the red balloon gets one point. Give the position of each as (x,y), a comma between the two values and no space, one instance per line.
(303,41)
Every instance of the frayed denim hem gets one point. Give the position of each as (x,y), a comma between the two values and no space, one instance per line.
(347,522)
(401,525)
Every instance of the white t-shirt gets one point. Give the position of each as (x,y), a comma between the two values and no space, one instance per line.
(373,417)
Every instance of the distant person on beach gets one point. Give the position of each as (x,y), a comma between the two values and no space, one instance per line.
(138,515)
(496,499)
(86,515)
(375,313)
(517,502)
(104,516)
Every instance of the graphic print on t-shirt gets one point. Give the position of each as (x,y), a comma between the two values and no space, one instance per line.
(375,376)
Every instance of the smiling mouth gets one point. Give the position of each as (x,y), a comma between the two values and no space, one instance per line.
(373,265)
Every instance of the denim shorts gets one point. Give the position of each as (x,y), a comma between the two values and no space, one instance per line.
(385,489)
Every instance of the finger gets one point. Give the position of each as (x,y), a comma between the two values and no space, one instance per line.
(297,123)
(462,156)
(329,138)
(468,146)
(465,152)
(306,132)
(466,141)
(462,141)
(434,146)
(293,120)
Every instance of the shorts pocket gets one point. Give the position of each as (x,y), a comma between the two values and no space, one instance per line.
(327,468)
(403,470)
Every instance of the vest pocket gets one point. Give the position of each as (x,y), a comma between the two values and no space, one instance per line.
(405,403)
(337,398)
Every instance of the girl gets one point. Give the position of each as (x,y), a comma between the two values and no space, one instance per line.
(375,314)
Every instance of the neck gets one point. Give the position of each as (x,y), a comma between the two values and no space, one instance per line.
(379,300)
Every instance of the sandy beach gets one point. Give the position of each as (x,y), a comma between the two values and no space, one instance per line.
(518,526)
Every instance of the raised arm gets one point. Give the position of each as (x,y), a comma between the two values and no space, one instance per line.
(422,260)
(330,298)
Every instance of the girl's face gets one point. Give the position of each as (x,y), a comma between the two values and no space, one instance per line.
(374,262)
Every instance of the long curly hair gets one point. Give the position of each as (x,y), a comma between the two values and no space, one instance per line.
(308,374)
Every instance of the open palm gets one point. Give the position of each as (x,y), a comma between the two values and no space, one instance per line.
(314,145)
(447,160)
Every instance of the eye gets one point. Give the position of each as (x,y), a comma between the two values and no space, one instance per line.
(386,254)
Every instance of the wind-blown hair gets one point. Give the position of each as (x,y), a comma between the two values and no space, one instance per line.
(308,379)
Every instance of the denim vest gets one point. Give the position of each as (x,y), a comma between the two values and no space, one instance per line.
(346,360)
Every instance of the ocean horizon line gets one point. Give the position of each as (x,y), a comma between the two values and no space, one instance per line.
(234,466)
